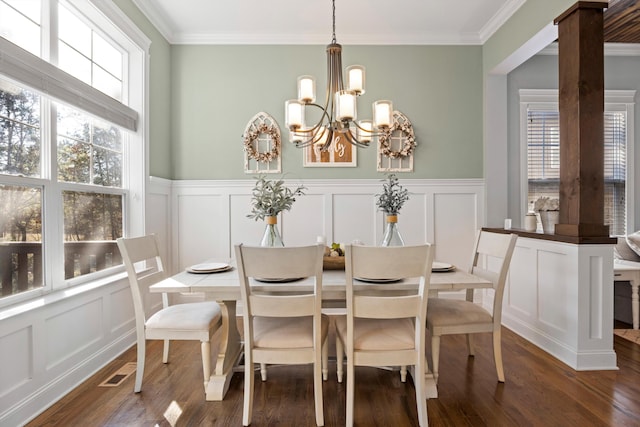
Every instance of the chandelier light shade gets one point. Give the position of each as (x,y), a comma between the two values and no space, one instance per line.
(338,116)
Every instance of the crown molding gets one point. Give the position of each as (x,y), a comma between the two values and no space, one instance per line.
(505,12)
(157,19)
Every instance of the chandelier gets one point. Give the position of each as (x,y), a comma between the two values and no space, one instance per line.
(337,118)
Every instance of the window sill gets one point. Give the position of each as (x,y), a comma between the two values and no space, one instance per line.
(55,296)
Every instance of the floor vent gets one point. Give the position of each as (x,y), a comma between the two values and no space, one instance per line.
(120,375)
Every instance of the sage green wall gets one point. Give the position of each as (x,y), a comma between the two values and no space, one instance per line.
(216,90)
(526,22)
(201,98)
(159,92)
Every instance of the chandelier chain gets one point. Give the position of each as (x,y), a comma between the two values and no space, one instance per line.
(333,40)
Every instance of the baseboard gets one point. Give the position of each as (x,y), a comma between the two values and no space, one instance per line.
(579,361)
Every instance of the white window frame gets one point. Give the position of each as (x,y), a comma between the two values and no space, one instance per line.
(105,17)
(547,99)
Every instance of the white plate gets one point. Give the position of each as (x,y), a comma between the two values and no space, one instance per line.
(209,267)
(441,266)
(367,280)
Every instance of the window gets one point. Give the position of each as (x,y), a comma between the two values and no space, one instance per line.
(72,162)
(88,56)
(20,23)
(541,143)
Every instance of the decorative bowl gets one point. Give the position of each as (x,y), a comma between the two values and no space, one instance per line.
(333,263)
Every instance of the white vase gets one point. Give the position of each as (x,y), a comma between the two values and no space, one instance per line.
(549,219)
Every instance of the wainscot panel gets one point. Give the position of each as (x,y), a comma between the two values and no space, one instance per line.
(211,216)
(560,297)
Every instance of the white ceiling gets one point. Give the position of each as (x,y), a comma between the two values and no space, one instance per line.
(309,21)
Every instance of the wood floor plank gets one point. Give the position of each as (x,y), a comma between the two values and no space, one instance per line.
(539,391)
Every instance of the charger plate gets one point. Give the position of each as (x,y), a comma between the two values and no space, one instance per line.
(278,280)
(370,280)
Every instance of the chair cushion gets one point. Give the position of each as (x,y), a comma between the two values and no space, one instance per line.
(197,316)
(286,332)
(379,334)
(448,312)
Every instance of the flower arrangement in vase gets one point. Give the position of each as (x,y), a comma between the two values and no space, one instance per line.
(549,211)
(390,201)
(268,199)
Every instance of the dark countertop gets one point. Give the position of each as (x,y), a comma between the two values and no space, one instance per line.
(555,237)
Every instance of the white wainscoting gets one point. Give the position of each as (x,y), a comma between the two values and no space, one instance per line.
(50,345)
(209,217)
(559,296)
(158,216)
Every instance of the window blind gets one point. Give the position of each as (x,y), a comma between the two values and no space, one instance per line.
(543,162)
(26,68)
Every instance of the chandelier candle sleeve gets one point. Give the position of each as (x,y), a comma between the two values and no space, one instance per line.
(355,79)
(294,114)
(365,131)
(323,135)
(307,89)
(346,108)
(382,111)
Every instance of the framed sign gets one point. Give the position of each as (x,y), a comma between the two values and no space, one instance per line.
(341,153)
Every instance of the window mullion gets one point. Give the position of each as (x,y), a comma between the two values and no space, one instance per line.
(48,28)
(53,215)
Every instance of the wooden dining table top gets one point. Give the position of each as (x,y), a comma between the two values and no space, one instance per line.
(225,285)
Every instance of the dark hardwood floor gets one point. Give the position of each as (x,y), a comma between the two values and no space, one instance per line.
(539,391)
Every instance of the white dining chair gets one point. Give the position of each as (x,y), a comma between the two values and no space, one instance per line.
(198,321)
(384,328)
(491,259)
(281,327)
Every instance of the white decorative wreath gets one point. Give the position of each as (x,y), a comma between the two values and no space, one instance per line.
(402,124)
(253,134)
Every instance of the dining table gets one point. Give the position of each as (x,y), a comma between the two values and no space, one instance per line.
(223,287)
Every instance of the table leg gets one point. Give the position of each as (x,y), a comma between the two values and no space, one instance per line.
(635,310)
(229,353)
(428,383)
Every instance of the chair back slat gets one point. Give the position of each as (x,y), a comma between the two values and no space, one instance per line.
(493,244)
(392,263)
(386,308)
(268,262)
(272,306)
(141,248)
(488,274)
